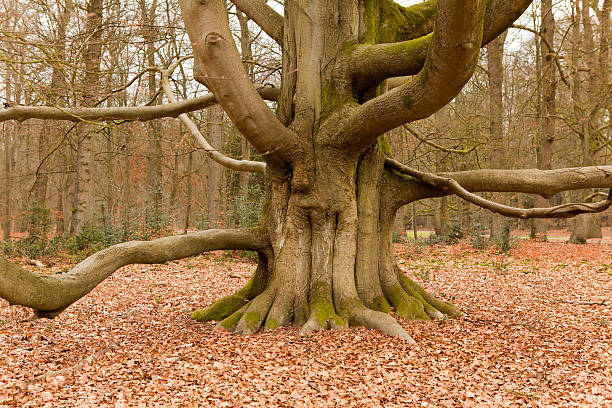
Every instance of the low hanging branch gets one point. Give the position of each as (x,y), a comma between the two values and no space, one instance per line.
(214,154)
(50,295)
(452,186)
(142,113)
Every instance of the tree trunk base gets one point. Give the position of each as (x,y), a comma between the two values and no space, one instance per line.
(249,310)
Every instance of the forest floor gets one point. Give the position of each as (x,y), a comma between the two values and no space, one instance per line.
(538,332)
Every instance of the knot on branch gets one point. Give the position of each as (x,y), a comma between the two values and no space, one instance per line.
(213,38)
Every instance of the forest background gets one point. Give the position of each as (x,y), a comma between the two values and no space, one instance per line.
(535,100)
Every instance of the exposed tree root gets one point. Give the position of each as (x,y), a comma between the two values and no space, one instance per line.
(322,313)
(230,304)
(417,291)
(362,316)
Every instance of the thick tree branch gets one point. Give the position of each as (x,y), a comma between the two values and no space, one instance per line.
(141,113)
(451,186)
(214,154)
(223,72)
(264,16)
(49,295)
(371,64)
(449,64)
(404,190)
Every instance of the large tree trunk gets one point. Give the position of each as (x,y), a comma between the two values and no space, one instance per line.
(327,217)
(331,261)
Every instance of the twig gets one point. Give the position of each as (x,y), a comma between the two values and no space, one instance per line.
(313,386)
(36,263)
(569,302)
(414,133)
(23,386)
(321,362)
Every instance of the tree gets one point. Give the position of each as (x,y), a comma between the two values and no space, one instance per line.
(495,65)
(325,236)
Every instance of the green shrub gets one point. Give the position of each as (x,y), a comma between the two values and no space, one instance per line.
(38,221)
(92,239)
(33,247)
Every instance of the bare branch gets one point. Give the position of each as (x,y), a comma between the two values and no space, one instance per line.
(450,62)
(264,16)
(214,154)
(371,64)
(551,50)
(223,72)
(447,184)
(50,295)
(414,133)
(141,113)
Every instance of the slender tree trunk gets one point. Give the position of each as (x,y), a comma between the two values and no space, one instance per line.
(127,183)
(441,204)
(42,178)
(154,143)
(8,158)
(189,197)
(495,65)
(93,55)
(215,170)
(547,136)
(60,227)
(589,225)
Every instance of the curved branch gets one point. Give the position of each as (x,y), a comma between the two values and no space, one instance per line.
(214,154)
(223,72)
(264,16)
(451,186)
(49,295)
(371,64)
(450,62)
(141,113)
(543,182)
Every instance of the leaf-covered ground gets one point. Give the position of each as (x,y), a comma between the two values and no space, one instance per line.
(538,333)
